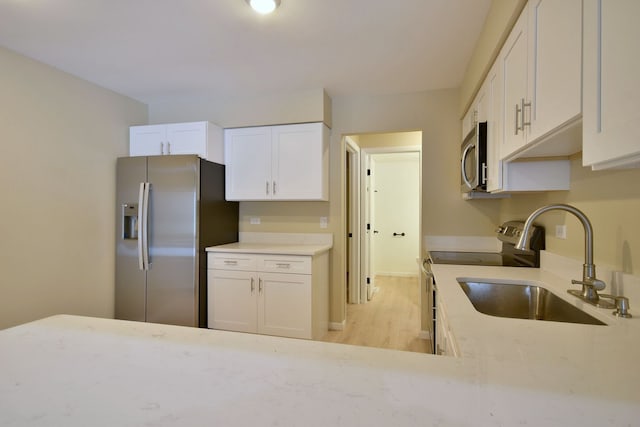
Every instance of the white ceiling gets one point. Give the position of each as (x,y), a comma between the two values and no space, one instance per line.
(157,49)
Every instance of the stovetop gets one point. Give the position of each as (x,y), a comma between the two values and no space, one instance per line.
(480,258)
(508,233)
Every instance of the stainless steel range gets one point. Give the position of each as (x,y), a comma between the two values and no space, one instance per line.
(508,233)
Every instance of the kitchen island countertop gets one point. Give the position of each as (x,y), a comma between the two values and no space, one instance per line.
(78,371)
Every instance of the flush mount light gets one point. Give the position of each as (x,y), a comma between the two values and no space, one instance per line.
(264,6)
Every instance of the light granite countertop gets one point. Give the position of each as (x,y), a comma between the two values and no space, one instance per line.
(79,371)
(278,244)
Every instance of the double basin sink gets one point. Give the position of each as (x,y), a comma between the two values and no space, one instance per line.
(522,301)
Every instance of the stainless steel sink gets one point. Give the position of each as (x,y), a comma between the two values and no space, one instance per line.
(522,301)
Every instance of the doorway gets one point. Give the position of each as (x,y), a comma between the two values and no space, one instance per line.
(371,246)
(392,214)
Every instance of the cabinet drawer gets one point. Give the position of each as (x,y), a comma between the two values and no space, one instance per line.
(232,261)
(285,264)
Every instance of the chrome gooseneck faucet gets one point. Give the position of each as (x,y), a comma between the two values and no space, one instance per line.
(590,284)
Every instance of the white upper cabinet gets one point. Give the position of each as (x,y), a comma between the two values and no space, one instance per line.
(611,131)
(201,138)
(287,162)
(503,176)
(541,62)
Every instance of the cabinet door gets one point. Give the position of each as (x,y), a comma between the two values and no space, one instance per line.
(300,162)
(147,140)
(187,138)
(232,300)
(611,135)
(494,101)
(248,163)
(555,53)
(514,68)
(284,305)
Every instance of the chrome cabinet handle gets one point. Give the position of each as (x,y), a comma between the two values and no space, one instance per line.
(162,148)
(253,285)
(283,265)
(524,105)
(274,188)
(230,262)
(260,285)
(517,114)
(267,187)
(168,148)
(484,173)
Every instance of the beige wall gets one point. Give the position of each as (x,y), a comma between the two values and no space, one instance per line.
(393,139)
(60,138)
(268,109)
(611,200)
(498,23)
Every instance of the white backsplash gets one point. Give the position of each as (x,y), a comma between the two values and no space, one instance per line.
(287,238)
(618,283)
(462,243)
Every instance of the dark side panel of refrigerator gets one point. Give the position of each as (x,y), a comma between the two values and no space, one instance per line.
(161,265)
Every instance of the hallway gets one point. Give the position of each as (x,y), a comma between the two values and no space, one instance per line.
(390,320)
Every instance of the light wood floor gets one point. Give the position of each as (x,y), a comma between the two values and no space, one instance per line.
(390,320)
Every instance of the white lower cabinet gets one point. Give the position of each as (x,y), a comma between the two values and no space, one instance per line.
(281,295)
(445,341)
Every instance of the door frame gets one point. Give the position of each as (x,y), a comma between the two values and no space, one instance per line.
(353,243)
(366,235)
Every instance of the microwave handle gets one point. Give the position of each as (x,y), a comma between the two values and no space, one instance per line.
(462,163)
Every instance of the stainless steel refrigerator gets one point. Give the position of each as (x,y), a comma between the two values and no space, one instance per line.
(168,210)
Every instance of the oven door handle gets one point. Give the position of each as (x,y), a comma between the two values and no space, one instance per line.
(426,272)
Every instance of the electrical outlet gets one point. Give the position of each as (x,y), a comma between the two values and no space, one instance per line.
(324,222)
(255,220)
(561,231)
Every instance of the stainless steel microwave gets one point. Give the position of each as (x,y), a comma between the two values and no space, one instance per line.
(473,159)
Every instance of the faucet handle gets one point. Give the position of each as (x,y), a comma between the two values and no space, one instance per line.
(596,284)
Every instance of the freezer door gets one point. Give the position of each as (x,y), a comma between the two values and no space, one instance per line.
(130,279)
(172,295)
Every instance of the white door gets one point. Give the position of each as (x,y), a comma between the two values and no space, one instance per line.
(514,67)
(284,305)
(396,213)
(296,171)
(232,300)
(187,138)
(247,153)
(147,140)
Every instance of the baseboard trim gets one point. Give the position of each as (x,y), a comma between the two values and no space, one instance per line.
(337,326)
(400,274)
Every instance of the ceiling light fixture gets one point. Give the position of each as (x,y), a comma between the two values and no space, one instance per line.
(264,6)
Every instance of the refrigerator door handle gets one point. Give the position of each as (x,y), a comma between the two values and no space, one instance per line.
(141,225)
(145,226)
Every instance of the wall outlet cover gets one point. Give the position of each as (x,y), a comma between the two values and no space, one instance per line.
(561,231)
(254,220)
(324,222)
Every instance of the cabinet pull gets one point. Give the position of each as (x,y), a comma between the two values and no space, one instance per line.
(524,105)
(162,148)
(267,190)
(230,262)
(260,285)
(168,148)
(283,265)
(253,285)
(517,114)
(274,187)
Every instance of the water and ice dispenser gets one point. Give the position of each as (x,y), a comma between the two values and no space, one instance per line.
(130,221)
